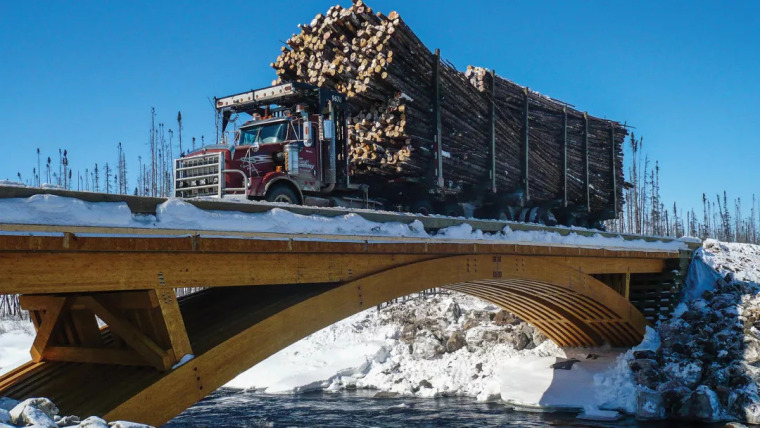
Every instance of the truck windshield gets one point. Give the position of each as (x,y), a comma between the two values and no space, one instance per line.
(270,133)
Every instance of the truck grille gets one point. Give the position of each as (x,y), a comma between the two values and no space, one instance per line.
(199,175)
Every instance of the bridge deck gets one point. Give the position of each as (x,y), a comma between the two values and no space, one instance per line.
(54,260)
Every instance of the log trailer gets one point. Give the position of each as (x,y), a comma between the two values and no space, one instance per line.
(293,149)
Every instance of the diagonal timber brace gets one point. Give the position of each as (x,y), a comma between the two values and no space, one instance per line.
(142,328)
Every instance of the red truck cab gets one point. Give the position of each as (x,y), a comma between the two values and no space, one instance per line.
(291,147)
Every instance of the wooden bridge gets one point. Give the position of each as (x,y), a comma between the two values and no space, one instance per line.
(266,291)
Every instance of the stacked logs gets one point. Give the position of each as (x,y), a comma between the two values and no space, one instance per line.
(387,73)
(545,118)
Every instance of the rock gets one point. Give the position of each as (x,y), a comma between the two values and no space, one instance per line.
(564,365)
(751,349)
(479,367)
(505,318)
(5,417)
(453,312)
(538,338)
(456,341)
(93,422)
(125,424)
(746,405)
(646,372)
(34,411)
(470,323)
(521,341)
(689,373)
(425,384)
(427,347)
(734,425)
(701,405)
(672,393)
(643,364)
(408,333)
(751,413)
(716,377)
(506,336)
(649,405)
(645,354)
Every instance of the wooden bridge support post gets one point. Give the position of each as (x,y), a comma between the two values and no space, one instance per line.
(142,328)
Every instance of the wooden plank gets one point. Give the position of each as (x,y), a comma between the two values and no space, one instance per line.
(94,355)
(593,265)
(119,300)
(133,337)
(86,327)
(70,271)
(173,322)
(44,332)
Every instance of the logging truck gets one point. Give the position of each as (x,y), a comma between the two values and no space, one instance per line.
(291,145)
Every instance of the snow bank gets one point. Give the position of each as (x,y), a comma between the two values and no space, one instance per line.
(16,339)
(742,260)
(178,214)
(453,345)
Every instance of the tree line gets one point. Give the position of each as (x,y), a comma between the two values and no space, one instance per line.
(154,171)
(645,212)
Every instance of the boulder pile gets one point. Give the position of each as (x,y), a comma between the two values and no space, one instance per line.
(707,368)
(42,413)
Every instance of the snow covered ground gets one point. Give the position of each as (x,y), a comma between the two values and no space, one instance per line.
(452,345)
(177,214)
(16,339)
(727,257)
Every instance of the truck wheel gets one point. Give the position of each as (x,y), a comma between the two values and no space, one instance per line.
(421,206)
(453,209)
(505,214)
(282,194)
(547,218)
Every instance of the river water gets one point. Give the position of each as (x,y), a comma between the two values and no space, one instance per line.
(235,408)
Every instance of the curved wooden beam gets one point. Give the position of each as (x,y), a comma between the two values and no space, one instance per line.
(540,290)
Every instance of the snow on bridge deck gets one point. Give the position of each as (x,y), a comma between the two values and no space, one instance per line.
(44,211)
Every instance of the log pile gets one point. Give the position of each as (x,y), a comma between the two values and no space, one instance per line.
(387,74)
(546,117)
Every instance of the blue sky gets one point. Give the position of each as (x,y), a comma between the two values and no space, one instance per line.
(84,75)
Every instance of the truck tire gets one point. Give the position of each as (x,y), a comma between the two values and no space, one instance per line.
(453,209)
(421,206)
(282,193)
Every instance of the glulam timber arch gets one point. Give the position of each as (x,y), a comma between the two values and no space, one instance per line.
(605,316)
